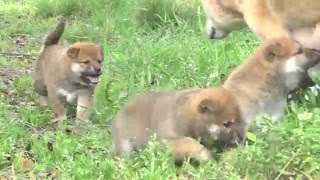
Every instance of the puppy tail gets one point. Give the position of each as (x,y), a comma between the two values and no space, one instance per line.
(53,37)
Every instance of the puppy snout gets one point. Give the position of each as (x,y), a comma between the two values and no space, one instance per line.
(313,58)
(98,70)
(215,33)
(212,33)
(239,137)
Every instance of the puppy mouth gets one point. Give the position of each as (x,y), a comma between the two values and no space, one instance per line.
(90,78)
(216,34)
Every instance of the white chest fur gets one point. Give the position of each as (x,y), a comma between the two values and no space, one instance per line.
(70,96)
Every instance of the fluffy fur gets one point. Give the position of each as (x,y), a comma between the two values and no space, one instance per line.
(184,119)
(269,19)
(65,73)
(262,83)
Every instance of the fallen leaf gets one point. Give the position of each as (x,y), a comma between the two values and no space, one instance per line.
(28,165)
(54,175)
(3,178)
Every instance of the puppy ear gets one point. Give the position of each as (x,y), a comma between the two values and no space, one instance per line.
(206,106)
(73,52)
(274,51)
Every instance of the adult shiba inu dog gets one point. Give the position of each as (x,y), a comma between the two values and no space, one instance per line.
(65,73)
(267,18)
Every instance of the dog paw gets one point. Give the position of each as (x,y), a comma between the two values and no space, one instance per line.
(58,119)
(204,155)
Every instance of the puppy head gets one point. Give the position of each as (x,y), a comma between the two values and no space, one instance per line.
(218,111)
(86,61)
(289,59)
(221,19)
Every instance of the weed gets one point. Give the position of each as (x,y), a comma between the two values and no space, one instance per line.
(155,45)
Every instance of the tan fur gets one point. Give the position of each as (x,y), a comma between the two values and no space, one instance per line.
(267,18)
(180,118)
(254,13)
(64,73)
(263,82)
(301,18)
(296,13)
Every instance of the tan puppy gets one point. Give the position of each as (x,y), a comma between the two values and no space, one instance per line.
(67,72)
(180,118)
(262,83)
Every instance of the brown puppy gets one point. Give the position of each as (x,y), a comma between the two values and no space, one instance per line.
(67,72)
(262,83)
(180,118)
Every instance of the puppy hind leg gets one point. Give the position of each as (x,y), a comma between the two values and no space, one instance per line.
(41,89)
(43,100)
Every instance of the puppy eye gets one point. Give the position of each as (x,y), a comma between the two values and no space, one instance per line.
(86,62)
(99,61)
(227,124)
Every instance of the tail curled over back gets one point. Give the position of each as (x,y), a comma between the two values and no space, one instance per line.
(53,37)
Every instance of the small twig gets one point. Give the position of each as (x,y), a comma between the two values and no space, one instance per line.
(15,35)
(307,175)
(14,54)
(285,167)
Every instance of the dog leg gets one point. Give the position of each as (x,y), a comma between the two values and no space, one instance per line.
(188,147)
(261,21)
(57,106)
(84,107)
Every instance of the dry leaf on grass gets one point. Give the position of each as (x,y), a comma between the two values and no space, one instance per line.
(27,164)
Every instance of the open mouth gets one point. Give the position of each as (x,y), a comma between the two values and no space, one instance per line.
(90,78)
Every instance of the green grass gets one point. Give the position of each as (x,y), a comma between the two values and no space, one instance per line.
(149,45)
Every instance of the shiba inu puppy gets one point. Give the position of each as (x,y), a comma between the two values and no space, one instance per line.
(262,83)
(184,119)
(64,73)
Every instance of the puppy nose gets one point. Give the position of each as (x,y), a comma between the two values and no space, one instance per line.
(299,51)
(212,33)
(98,70)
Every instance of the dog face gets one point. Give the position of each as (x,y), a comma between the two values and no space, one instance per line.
(218,111)
(219,27)
(221,20)
(86,62)
(290,60)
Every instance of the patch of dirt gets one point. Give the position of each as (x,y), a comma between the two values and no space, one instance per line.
(20,63)
(8,74)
